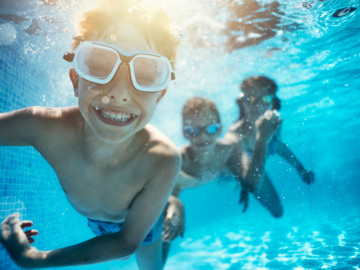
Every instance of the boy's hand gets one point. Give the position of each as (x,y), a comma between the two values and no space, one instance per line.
(307,176)
(244,198)
(267,124)
(174,221)
(16,241)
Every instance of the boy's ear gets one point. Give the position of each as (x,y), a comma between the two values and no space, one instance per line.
(163,92)
(74,77)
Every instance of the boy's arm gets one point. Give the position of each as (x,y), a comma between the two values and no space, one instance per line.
(174,219)
(143,213)
(29,126)
(174,214)
(16,127)
(285,152)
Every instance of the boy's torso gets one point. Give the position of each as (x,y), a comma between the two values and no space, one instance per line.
(207,167)
(100,188)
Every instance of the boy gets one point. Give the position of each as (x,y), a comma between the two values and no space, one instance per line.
(207,156)
(115,169)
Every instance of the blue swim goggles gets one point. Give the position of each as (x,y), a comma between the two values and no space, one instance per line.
(195,131)
(99,62)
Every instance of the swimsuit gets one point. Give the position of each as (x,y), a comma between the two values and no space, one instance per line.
(99,227)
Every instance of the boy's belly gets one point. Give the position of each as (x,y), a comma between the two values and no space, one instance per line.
(113,209)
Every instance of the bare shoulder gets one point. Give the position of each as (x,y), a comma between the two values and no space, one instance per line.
(159,146)
(32,125)
(37,113)
(225,147)
(237,126)
(56,121)
(236,132)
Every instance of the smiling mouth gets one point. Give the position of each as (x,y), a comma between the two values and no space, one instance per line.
(114,118)
(202,144)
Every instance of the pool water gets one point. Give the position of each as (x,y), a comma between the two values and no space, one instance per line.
(311,50)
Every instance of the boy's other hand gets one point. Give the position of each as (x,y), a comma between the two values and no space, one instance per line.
(172,228)
(174,221)
(307,176)
(16,241)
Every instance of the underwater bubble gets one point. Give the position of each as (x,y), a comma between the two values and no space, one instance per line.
(7,34)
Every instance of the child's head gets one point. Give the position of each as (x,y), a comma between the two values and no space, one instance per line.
(104,22)
(201,122)
(121,67)
(258,95)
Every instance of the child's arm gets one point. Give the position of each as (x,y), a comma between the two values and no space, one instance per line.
(32,126)
(144,211)
(284,151)
(16,127)
(174,219)
(174,214)
(251,174)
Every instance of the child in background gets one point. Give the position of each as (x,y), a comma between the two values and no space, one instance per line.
(207,156)
(257,98)
(115,169)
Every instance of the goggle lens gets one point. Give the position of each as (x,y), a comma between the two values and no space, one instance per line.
(150,71)
(265,99)
(195,131)
(97,62)
(212,129)
(192,130)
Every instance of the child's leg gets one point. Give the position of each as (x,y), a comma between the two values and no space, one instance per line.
(149,257)
(268,197)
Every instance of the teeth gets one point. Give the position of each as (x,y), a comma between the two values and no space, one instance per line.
(120,117)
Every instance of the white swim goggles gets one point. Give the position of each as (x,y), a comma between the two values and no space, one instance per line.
(98,63)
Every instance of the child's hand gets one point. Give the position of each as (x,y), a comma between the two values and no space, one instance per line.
(244,198)
(16,241)
(267,124)
(307,176)
(174,221)
(172,228)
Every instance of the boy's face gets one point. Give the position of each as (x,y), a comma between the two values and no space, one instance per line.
(116,111)
(201,129)
(256,102)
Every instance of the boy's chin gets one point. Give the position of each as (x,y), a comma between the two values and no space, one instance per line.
(115,139)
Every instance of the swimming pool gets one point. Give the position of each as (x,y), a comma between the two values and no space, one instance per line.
(313,56)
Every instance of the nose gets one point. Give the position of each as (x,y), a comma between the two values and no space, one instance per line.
(121,88)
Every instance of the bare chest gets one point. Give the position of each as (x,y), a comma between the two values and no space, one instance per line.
(104,193)
(206,167)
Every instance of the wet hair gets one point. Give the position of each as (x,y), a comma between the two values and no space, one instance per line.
(196,105)
(261,81)
(152,23)
(258,81)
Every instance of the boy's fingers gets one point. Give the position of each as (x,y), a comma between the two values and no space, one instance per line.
(13,219)
(25,223)
(9,225)
(5,225)
(31,233)
(31,240)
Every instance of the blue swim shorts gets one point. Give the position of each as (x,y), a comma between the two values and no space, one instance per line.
(99,227)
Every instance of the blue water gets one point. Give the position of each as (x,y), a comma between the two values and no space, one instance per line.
(315,60)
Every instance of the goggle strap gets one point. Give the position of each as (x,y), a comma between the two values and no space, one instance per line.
(69,57)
